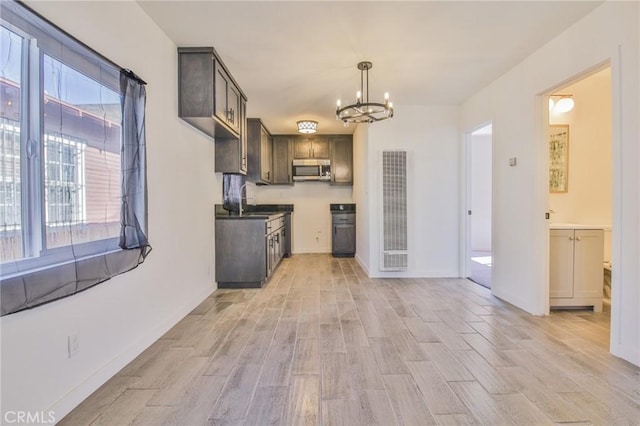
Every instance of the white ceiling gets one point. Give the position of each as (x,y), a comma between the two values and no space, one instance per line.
(293,59)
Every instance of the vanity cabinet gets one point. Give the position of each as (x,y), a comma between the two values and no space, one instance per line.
(576,268)
(311,147)
(210,100)
(282,157)
(260,145)
(341,148)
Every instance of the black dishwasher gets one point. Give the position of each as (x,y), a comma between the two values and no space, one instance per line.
(343,227)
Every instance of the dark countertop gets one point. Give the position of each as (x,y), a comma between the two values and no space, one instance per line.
(249,216)
(259,209)
(346,208)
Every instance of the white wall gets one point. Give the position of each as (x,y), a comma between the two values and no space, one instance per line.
(429,134)
(515,105)
(118,319)
(589,199)
(311,215)
(481,192)
(361,194)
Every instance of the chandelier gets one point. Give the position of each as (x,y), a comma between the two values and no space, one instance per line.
(364,111)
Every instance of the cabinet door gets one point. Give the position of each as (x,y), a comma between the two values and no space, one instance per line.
(320,147)
(281,165)
(561,263)
(587,259)
(341,160)
(302,147)
(221,85)
(344,239)
(233,106)
(265,155)
(243,136)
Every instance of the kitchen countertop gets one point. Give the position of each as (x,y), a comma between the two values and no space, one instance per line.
(255,211)
(250,215)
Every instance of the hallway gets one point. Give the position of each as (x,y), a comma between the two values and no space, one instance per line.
(324,344)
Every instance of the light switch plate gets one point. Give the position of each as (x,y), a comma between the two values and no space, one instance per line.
(513,161)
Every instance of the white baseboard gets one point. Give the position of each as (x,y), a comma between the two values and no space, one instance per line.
(72,399)
(364,267)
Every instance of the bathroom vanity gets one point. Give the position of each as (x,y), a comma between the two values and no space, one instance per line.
(575,267)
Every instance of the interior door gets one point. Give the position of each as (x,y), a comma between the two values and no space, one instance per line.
(479,259)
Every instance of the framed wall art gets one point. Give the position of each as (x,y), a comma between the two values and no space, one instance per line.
(559,158)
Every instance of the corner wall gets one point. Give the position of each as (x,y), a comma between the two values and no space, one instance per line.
(118,319)
(515,103)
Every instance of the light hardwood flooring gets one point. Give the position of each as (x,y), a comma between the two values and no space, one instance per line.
(322,344)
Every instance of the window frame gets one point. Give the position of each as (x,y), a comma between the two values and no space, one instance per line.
(36,43)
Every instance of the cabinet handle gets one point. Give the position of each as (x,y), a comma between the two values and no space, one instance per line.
(277,238)
(270,242)
(578,238)
(309,152)
(571,238)
(268,175)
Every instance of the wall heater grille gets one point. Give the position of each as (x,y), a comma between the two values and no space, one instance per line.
(394,214)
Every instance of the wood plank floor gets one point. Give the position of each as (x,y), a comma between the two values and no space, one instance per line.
(322,344)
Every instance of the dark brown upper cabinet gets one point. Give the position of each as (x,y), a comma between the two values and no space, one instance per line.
(210,100)
(311,147)
(282,156)
(260,146)
(341,159)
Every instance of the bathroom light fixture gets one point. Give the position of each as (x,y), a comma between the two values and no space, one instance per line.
(364,111)
(307,126)
(564,104)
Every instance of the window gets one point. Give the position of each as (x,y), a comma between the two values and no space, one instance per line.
(71,122)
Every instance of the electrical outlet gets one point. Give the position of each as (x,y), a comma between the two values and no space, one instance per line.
(73,344)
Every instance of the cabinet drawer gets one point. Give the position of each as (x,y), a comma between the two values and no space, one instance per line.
(343,218)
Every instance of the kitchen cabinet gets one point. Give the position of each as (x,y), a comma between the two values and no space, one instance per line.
(343,230)
(227,98)
(210,100)
(248,249)
(260,143)
(311,147)
(341,148)
(281,164)
(576,267)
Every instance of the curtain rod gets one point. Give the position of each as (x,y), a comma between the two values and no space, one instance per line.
(89,48)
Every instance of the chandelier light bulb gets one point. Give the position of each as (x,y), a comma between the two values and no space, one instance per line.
(386,96)
(338,103)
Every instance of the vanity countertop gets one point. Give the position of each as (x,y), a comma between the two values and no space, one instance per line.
(576,226)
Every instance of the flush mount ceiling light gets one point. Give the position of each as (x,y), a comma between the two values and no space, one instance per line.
(564,104)
(364,111)
(307,126)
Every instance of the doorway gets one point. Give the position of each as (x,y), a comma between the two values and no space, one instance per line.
(581,194)
(479,165)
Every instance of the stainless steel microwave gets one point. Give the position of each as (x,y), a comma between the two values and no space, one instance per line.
(312,169)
